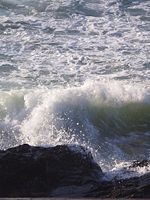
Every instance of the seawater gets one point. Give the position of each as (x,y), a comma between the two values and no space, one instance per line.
(77,72)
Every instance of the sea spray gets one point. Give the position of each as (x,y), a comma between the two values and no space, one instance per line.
(110,119)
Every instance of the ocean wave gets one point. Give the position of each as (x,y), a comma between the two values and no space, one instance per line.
(110,118)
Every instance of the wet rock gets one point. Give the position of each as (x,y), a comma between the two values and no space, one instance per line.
(143,163)
(133,187)
(64,171)
(36,171)
(136,187)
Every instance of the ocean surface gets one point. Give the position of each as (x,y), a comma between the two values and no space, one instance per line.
(77,72)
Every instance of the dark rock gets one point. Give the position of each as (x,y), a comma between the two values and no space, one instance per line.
(137,187)
(133,187)
(64,171)
(36,171)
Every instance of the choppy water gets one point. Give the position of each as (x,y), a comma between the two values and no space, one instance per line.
(76,71)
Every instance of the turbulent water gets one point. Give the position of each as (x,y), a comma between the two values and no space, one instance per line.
(77,72)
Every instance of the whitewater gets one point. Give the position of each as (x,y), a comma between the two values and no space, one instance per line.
(77,72)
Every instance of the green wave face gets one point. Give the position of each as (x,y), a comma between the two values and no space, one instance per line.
(121,119)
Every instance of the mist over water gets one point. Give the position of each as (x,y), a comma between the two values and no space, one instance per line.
(76,72)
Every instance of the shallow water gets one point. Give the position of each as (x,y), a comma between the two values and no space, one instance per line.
(76,71)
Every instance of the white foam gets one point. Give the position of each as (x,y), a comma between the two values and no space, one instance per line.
(122,170)
(66,116)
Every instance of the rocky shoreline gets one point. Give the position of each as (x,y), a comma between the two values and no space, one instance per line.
(63,171)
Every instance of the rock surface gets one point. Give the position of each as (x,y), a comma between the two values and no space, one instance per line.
(63,171)
(137,187)
(36,171)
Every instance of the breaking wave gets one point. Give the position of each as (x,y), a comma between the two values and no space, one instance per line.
(111,119)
